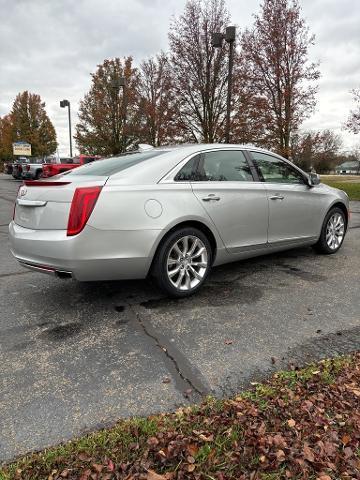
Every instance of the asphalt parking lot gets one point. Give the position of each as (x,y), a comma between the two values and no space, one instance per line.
(75,357)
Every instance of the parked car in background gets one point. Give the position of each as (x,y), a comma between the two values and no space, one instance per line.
(65,164)
(8,167)
(18,165)
(173,212)
(33,169)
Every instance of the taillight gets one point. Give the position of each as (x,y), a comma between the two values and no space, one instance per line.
(82,205)
(27,168)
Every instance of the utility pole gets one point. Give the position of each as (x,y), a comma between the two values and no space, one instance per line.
(217,42)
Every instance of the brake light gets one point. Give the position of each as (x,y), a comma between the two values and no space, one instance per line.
(27,168)
(82,205)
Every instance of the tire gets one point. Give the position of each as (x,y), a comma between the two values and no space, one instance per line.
(332,232)
(191,270)
(38,175)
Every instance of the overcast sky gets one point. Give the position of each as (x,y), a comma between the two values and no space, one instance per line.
(50,47)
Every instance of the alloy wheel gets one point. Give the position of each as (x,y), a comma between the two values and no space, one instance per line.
(335,230)
(187,262)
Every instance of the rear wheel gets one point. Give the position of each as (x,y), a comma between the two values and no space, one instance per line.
(183,262)
(332,232)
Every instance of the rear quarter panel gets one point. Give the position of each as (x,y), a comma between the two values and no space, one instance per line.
(157,207)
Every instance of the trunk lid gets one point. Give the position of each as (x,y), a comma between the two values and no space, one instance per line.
(45,205)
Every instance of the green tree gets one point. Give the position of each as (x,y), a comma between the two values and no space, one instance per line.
(6,138)
(30,123)
(108,119)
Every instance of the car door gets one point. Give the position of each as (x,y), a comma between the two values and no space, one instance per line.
(224,185)
(294,211)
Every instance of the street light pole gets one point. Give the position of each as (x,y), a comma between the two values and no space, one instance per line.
(217,40)
(63,104)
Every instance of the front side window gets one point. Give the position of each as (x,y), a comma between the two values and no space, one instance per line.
(274,170)
(224,166)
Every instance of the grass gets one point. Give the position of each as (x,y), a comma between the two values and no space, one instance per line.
(222,439)
(349,183)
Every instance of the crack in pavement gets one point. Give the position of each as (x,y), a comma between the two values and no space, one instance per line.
(188,379)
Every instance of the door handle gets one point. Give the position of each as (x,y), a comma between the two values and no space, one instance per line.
(211,197)
(277,197)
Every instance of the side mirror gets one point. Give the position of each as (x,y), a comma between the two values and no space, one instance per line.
(314,179)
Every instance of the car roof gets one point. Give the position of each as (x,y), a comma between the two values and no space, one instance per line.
(197,147)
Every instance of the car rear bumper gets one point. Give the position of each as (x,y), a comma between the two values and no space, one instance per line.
(92,255)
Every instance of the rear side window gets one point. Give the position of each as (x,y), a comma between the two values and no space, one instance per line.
(224,166)
(109,166)
(274,170)
(187,173)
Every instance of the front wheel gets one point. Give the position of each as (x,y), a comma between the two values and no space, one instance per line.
(183,262)
(332,232)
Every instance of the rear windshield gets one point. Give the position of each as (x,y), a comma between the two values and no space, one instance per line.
(109,166)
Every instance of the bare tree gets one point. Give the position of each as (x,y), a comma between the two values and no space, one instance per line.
(158,124)
(199,70)
(277,71)
(353,122)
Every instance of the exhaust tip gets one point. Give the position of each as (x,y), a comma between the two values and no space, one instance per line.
(63,274)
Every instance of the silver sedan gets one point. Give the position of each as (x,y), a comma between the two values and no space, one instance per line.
(173,213)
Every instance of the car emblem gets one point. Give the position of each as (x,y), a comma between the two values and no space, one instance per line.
(22,191)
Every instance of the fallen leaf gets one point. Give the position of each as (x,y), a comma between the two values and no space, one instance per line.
(152,442)
(190,459)
(228,342)
(280,455)
(190,468)
(291,422)
(86,474)
(192,449)
(308,454)
(84,457)
(166,380)
(209,438)
(97,467)
(151,475)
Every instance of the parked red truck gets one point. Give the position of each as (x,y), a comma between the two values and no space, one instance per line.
(51,169)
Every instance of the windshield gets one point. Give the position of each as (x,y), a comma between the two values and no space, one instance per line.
(109,166)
